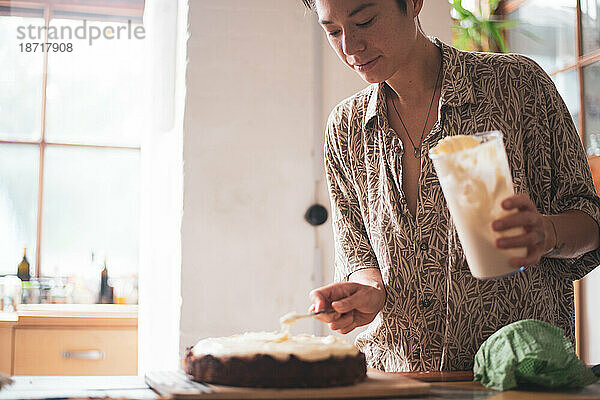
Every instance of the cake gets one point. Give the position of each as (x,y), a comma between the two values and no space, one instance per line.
(275,359)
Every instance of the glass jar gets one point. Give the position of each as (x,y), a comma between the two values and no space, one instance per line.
(11,293)
(31,292)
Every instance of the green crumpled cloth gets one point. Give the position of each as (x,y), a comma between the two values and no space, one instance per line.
(530,352)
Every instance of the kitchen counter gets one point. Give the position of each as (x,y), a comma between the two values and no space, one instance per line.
(73,310)
(72,387)
(8,317)
(133,387)
(66,314)
(25,311)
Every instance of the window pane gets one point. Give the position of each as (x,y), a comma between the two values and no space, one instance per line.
(95,93)
(546,32)
(591,99)
(20,79)
(90,204)
(568,87)
(590,25)
(19,174)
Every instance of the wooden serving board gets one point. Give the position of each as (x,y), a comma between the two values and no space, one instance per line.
(378,384)
(440,376)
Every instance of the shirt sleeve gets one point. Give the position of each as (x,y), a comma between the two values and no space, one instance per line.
(572,187)
(353,250)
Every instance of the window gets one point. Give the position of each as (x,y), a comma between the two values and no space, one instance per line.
(71,114)
(563,36)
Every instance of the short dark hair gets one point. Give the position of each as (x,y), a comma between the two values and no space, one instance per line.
(310,4)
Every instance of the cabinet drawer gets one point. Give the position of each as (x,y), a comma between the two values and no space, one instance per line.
(6,347)
(72,351)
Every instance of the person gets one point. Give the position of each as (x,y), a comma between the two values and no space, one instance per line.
(399,266)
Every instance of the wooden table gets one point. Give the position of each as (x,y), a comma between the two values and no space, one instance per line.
(453,386)
(474,390)
(459,384)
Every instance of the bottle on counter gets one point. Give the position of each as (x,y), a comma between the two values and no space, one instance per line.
(85,282)
(23,268)
(106,291)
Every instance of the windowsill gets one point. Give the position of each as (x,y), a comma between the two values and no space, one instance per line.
(79,310)
(71,314)
(90,315)
(8,316)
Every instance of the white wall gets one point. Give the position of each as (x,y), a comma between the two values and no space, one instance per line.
(435,19)
(261,81)
(247,253)
(590,353)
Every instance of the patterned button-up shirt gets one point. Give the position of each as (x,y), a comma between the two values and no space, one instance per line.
(436,314)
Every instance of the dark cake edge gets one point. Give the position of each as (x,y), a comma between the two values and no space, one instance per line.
(262,370)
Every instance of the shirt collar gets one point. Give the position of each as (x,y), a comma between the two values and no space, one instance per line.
(457,85)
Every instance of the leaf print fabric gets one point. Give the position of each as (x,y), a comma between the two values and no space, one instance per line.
(436,314)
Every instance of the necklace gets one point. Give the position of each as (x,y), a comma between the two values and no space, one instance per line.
(417,149)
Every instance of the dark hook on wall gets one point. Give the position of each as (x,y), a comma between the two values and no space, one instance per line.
(316,215)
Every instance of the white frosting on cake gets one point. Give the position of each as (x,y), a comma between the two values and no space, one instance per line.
(288,319)
(279,345)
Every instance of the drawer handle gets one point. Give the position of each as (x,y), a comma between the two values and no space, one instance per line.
(84,355)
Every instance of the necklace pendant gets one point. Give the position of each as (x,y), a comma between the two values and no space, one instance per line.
(417,153)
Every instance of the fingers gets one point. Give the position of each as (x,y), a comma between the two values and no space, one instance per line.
(321,301)
(520,201)
(344,321)
(319,304)
(352,320)
(532,258)
(347,329)
(325,317)
(528,218)
(534,242)
(345,305)
(530,239)
(346,299)
(361,300)
(519,219)
(318,297)
(533,239)
(323,297)
(345,324)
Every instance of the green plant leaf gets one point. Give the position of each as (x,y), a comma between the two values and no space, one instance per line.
(471,31)
(463,12)
(497,36)
(493,4)
(506,23)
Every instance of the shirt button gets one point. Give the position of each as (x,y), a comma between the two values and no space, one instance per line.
(425,303)
(424,246)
